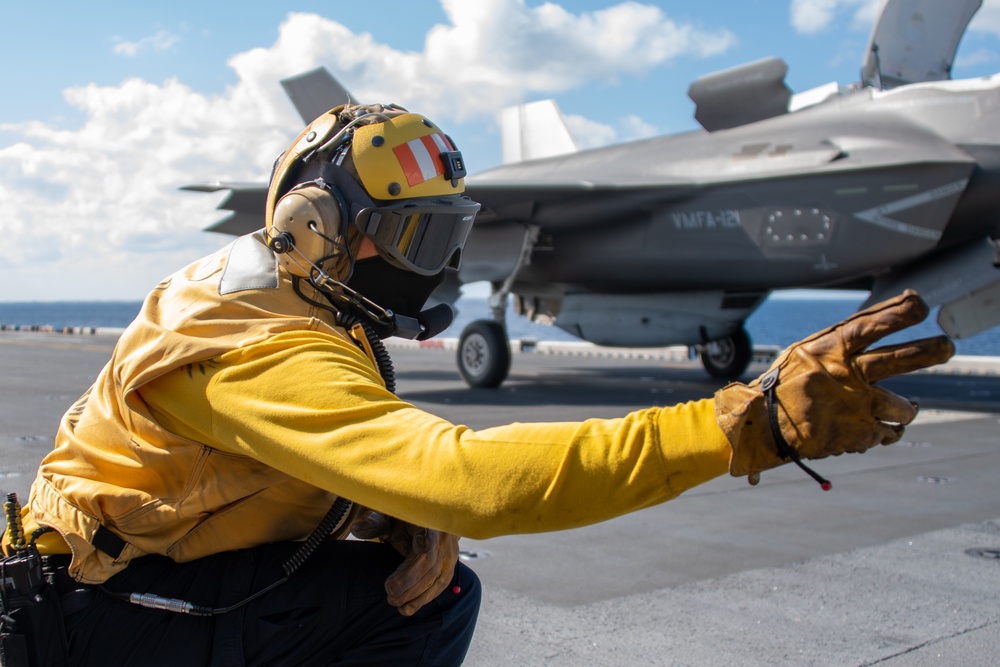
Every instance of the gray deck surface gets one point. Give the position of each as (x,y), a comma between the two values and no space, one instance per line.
(897,565)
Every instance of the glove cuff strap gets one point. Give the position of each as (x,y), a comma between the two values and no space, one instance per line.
(768,383)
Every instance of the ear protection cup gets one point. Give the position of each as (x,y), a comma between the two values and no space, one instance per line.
(306,228)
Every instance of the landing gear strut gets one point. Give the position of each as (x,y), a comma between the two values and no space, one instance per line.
(483,347)
(728,357)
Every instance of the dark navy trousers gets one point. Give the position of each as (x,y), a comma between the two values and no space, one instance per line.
(332,611)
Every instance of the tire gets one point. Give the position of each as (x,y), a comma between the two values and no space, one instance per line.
(728,357)
(484,354)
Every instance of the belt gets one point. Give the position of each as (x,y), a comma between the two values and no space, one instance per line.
(73,596)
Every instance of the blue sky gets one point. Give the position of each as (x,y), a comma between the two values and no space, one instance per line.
(107,107)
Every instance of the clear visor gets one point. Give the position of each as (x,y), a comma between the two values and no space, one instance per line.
(423,236)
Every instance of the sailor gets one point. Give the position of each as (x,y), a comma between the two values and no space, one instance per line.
(197,492)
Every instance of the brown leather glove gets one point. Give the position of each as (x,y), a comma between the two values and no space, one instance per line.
(429,561)
(822,394)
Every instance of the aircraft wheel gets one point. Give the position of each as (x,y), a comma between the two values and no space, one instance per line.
(484,354)
(728,357)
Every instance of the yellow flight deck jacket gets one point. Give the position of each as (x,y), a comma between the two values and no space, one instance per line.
(233,413)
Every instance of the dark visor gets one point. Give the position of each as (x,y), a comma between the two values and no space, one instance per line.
(423,236)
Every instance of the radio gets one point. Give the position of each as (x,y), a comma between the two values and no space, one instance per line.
(31,624)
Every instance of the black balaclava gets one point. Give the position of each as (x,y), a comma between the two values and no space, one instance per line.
(395,289)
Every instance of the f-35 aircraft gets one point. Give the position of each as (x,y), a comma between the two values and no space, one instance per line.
(889,183)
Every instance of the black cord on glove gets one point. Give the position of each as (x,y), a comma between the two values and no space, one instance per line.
(767,385)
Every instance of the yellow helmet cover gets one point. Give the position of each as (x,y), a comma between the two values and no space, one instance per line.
(407,156)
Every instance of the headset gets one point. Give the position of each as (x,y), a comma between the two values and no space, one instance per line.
(309,227)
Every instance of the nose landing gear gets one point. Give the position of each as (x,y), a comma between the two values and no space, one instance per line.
(728,357)
(484,354)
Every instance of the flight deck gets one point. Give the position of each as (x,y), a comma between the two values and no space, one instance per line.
(899,564)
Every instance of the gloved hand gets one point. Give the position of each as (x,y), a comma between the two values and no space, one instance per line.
(824,401)
(429,561)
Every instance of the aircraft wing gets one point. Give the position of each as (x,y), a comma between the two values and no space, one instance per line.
(563,205)
(312,93)
(245,202)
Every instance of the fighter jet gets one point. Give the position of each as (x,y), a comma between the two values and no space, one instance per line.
(888,183)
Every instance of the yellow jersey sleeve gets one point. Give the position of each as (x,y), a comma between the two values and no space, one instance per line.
(314,407)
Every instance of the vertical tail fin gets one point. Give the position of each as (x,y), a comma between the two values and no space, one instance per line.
(315,92)
(534,130)
(915,40)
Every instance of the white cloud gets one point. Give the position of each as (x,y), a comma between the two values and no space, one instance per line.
(866,14)
(105,194)
(493,53)
(812,16)
(161,41)
(635,127)
(547,48)
(589,133)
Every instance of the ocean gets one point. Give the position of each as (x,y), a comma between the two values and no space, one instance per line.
(783,319)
